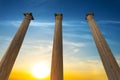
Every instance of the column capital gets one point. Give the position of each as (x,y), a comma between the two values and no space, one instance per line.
(58,16)
(29,16)
(89,16)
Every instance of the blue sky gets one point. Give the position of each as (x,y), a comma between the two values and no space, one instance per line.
(78,43)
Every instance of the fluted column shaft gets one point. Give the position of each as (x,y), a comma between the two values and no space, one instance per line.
(9,58)
(111,67)
(57,53)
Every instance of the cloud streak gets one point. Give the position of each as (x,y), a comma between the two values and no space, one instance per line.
(109,22)
(83,36)
(38,24)
(43,24)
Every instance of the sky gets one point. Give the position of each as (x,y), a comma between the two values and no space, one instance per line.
(81,58)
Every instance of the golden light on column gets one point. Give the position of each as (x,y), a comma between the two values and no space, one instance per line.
(57,53)
(111,67)
(9,57)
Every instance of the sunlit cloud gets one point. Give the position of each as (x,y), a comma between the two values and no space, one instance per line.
(84,66)
(33,52)
(91,64)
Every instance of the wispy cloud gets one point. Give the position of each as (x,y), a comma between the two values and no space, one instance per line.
(72,50)
(34,51)
(83,36)
(84,65)
(109,22)
(91,64)
(10,23)
(75,23)
(43,24)
(33,23)
(74,44)
(66,24)
(46,24)
(5,38)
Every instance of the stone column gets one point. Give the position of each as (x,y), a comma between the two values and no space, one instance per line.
(57,53)
(111,67)
(9,58)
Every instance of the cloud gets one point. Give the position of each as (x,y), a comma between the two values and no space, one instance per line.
(72,50)
(83,36)
(75,23)
(42,50)
(10,23)
(39,46)
(74,44)
(34,51)
(91,64)
(32,23)
(5,38)
(84,65)
(66,24)
(16,23)
(109,22)
(43,24)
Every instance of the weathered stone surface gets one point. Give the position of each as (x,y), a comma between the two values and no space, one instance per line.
(57,53)
(111,67)
(10,56)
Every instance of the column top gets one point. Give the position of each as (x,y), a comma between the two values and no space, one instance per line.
(89,16)
(58,15)
(29,15)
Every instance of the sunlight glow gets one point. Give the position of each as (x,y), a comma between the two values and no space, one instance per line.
(40,70)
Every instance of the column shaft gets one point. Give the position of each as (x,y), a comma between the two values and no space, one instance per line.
(111,67)
(9,58)
(57,53)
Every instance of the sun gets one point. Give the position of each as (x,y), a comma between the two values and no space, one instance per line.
(40,70)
